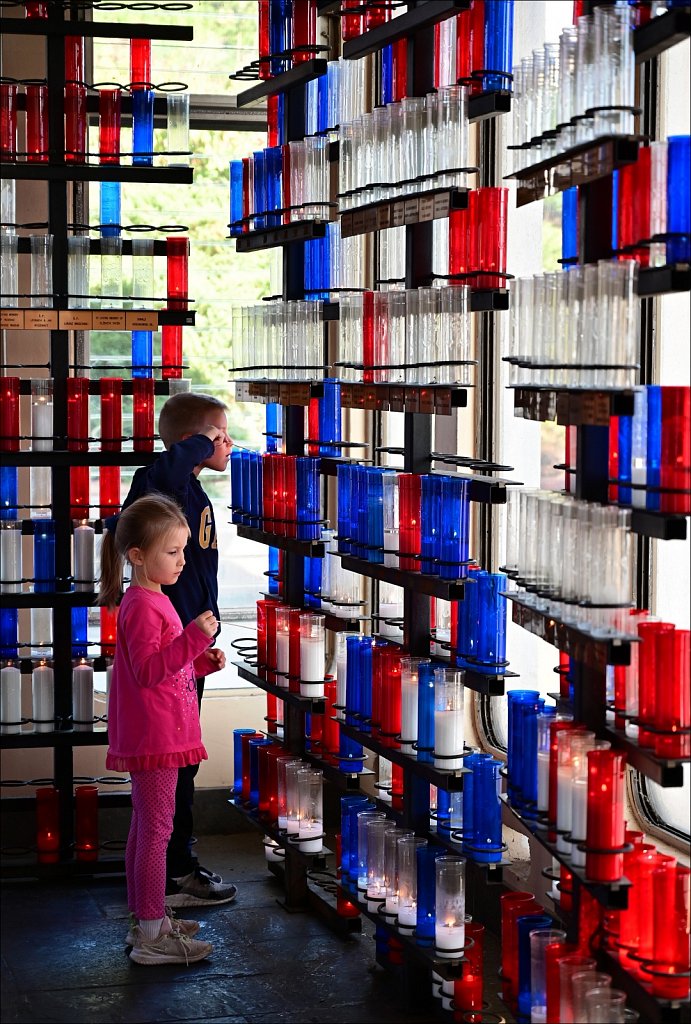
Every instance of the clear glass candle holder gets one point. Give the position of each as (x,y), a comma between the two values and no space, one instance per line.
(42,414)
(78,271)
(449,931)
(41,271)
(448,718)
(407,882)
(178,123)
(311,821)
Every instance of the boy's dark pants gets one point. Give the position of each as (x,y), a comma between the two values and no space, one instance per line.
(179,858)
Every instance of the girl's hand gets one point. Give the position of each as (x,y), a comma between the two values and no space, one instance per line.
(208,623)
(217,658)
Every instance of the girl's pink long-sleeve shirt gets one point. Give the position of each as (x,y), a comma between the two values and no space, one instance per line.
(153,714)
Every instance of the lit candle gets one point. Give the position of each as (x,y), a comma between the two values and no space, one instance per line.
(84,557)
(43,698)
(11,556)
(47,825)
(83,697)
(312,655)
(449,928)
(42,415)
(311,822)
(86,822)
(282,647)
(409,688)
(143,414)
(9,414)
(448,718)
(108,631)
(10,699)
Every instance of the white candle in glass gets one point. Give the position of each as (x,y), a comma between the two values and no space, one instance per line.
(83,697)
(579,820)
(448,739)
(409,714)
(542,780)
(11,556)
(449,936)
(43,698)
(282,659)
(407,913)
(42,415)
(310,834)
(312,666)
(83,557)
(41,631)
(564,805)
(10,700)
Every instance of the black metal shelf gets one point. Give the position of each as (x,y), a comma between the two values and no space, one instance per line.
(95,29)
(489,300)
(431,204)
(577,644)
(652,1009)
(296,76)
(452,781)
(664,280)
(665,772)
(27,740)
(312,705)
(613,895)
(98,172)
(579,165)
(489,104)
(572,406)
(63,458)
(51,599)
(487,490)
(306,548)
(314,860)
(660,525)
(424,15)
(66,868)
(479,682)
(433,586)
(660,33)
(476,872)
(282,234)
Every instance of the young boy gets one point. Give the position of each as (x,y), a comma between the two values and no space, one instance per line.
(193,428)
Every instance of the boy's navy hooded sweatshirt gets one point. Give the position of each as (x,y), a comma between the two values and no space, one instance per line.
(196,590)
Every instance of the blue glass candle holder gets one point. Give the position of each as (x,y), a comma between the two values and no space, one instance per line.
(277,35)
(44,555)
(365,688)
(274,569)
(236,198)
(142,353)
(236,515)
(273,162)
(375,515)
(426,892)
(8,492)
(237,758)
(246,490)
(344,478)
(654,453)
(443,812)
(430,534)
(468,623)
(498,45)
(259,166)
(353,811)
(425,713)
(80,632)
(323,103)
(350,807)
(679,198)
(358,512)
(569,224)
(110,209)
(471,762)
(625,454)
(515,743)
(387,75)
(349,755)
(353,698)
(330,418)
(254,746)
(312,577)
(491,647)
(455,526)
(9,623)
(273,426)
(309,498)
(143,127)
(487,842)
(527,924)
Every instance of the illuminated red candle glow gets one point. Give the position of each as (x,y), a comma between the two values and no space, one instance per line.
(109,621)
(671,904)
(675,461)
(410,490)
(606,825)
(331,734)
(111,414)
(143,414)
(171,351)
(86,822)
(513,905)
(351,24)
(109,496)
(344,908)
(80,491)
(673,699)
(8,120)
(36,123)
(47,825)
(264,47)
(271,714)
(78,414)
(304,31)
(648,676)
(368,336)
(9,414)
(270,617)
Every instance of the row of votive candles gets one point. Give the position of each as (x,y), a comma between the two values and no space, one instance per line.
(44,579)
(279,493)
(572,557)
(86,834)
(576,328)
(279,340)
(111,272)
(42,632)
(417,335)
(578,89)
(43,697)
(78,436)
(291,647)
(650,452)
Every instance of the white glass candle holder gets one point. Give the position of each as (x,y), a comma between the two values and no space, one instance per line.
(363,820)
(448,718)
(391,837)
(83,696)
(42,414)
(78,272)
(292,791)
(40,490)
(376,873)
(311,822)
(282,765)
(449,929)
(312,654)
(11,556)
(41,631)
(409,702)
(407,882)
(8,204)
(565,746)
(283,647)
(43,697)
(111,273)
(10,699)
(143,274)
(41,271)
(178,121)
(9,267)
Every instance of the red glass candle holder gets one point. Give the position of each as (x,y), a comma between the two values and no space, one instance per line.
(143,414)
(268,492)
(109,627)
(626,928)
(275,754)
(376,13)
(399,54)
(633,208)
(513,905)
(565,888)
(177,256)
(270,617)
(140,63)
(171,351)
(304,31)
(313,425)
(109,497)
(368,336)
(264,45)
(74,60)
(271,714)
(75,124)
(351,24)
(673,698)
(77,414)
(109,122)
(648,677)
(604,859)
(111,414)
(489,231)
(409,539)
(459,221)
(316,734)
(290,494)
(35,10)
(332,733)
(9,414)
(470,45)
(391,697)
(272,116)
(86,822)
(264,765)
(555,952)
(468,997)
(36,123)
(80,492)
(262,635)
(47,825)
(670,965)
(675,459)
(8,121)
(294,650)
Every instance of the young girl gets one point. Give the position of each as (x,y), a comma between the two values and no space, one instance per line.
(153,715)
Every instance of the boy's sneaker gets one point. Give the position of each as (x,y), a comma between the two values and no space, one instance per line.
(188,928)
(197,890)
(172,948)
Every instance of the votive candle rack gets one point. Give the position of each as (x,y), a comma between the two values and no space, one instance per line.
(278,341)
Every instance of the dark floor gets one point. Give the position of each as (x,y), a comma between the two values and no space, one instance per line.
(63,958)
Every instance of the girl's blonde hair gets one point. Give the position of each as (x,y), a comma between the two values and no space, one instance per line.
(141,525)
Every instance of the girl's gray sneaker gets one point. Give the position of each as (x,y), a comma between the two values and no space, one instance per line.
(172,948)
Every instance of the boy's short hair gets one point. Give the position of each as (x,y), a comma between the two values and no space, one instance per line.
(186,413)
